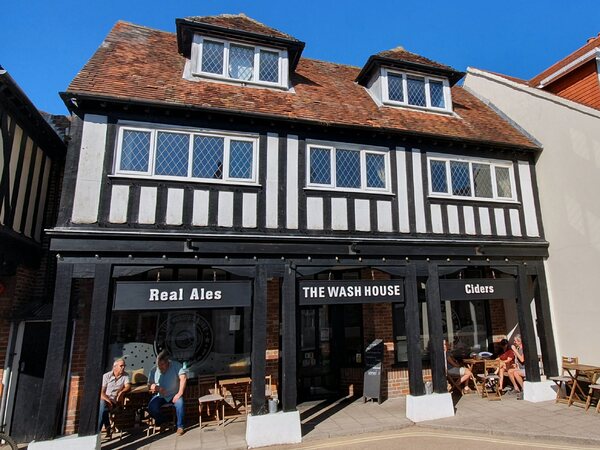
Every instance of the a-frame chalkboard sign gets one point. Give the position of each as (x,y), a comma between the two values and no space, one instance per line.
(372,376)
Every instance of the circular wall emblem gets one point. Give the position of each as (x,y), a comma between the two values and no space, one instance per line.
(187,337)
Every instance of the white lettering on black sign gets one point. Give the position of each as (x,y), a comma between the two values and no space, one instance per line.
(156,295)
(478,289)
(342,292)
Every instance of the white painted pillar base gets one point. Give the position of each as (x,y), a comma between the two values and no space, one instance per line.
(429,407)
(541,391)
(72,442)
(273,429)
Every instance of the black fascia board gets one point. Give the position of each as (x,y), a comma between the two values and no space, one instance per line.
(375,61)
(186,30)
(103,105)
(16,101)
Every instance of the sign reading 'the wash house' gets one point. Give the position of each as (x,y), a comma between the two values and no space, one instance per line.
(342,292)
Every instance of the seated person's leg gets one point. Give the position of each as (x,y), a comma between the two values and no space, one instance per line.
(154,409)
(179,411)
(103,416)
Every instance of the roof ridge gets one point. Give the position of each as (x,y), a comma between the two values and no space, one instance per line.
(305,58)
(126,22)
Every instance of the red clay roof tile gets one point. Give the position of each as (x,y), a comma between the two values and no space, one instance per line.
(240,22)
(401,54)
(140,64)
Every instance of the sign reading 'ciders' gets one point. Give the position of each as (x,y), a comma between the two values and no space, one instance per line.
(148,295)
(478,289)
(342,292)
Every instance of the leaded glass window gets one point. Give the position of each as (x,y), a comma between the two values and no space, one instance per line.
(375,170)
(482,180)
(208,157)
(503,182)
(439,182)
(436,93)
(241,62)
(172,151)
(416,91)
(212,57)
(240,159)
(135,150)
(320,165)
(461,182)
(347,168)
(395,87)
(269,66)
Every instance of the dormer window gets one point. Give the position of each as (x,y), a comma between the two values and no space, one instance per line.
(217,58)
(419,91)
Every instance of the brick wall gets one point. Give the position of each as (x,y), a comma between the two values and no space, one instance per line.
(272,353)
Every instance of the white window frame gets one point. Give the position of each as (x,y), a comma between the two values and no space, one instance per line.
(493,163)
(427,78)
(333,148)
(197,51)
(191,132)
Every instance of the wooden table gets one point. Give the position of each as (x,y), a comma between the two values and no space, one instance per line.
(471,363)
(580,373)
(236,387)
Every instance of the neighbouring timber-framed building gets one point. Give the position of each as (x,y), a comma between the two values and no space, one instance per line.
(326,206)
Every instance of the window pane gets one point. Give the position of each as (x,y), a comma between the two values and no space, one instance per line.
(269,66)
(503,182)
(241,62)
(208,157)
(135,150)
(482,180)
(439,183)
(461,183)
(240,159)
(172,151)
(375,171)
(436,91)
(395,90)
(347,168)
(320,166)
(416,91)
(212,57)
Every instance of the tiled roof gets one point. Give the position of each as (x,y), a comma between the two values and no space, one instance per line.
(401,54)
(240,22)
(140,64)
(590,45)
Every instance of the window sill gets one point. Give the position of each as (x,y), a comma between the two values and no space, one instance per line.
(121,176)
(473,199)
(234,81)
(393,104)
(349,191)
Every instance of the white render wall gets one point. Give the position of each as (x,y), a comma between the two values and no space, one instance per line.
(568,177)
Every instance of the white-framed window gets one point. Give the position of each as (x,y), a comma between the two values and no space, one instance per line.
(186,154)
(475,179)
(236,61)
(415,90)
(348,168)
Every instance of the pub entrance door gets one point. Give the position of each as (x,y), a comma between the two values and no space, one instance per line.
(330,339)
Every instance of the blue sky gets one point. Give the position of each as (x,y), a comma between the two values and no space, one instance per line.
(43,43)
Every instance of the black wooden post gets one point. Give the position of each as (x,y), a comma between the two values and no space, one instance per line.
(96,350)
(288,341)
(53,385)
(413,332)
(545,329)
(259,341)
(436,335)
(532,368)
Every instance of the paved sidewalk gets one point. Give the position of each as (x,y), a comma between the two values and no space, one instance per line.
(324,420)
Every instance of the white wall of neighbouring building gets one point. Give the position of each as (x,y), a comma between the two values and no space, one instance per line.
(568,178)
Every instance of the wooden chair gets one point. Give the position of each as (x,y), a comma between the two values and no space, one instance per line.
(166,410)
(209,394)
(489,380)
(454,383)
(564,381)
(594,387)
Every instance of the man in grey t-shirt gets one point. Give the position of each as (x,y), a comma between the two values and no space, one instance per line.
(114,385)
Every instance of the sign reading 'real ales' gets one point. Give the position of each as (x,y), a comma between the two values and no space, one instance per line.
(149,295)
(322,292)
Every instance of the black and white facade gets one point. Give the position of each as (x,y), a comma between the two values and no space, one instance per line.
(165,191)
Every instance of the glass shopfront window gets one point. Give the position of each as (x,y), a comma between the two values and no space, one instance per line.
(209,340)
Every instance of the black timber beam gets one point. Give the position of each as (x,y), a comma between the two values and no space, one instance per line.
(259,340)
(96,350)
(53,385)
(288,341)
(544,323)
(436,335)
(526,325)
(413,332)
